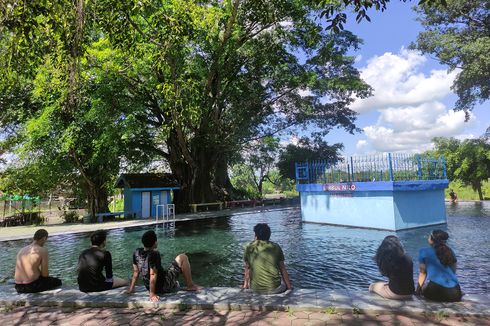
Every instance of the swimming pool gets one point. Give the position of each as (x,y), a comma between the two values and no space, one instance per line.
(317,256)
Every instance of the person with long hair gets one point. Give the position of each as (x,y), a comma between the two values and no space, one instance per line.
(395,264)
(437,277)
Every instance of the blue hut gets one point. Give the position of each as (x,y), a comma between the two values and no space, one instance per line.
(143,192)
(386,191)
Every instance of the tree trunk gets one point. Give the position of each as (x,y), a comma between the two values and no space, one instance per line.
(196,181)
(259,187)
(222,181)
(480,193)
(97,199)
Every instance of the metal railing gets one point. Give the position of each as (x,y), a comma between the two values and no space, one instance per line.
(168,214)
(379,167)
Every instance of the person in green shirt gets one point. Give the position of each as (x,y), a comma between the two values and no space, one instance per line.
(264,264)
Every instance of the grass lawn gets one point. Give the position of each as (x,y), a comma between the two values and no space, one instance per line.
(466,192)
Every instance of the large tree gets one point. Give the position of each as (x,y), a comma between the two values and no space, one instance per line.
(66,112)
(458,35)
(467,161)
(218,74)
(260,158)
(199,78)
(306,150)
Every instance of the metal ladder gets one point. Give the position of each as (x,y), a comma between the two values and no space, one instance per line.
(168,215)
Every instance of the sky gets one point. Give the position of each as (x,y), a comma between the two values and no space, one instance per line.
(412,100)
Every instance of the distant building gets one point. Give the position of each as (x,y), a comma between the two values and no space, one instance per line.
(143,192)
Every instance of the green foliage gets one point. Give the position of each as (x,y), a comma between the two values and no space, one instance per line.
(458,35)
(243,180)
(441,315)
(335,10)
(219,75)
(119,206)
(260,158)
(82,148)
(90,86)
(70,217)
(467,161)
(330,310)
(306,150)
(467,192)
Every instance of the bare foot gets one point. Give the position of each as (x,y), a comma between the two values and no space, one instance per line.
(194,287)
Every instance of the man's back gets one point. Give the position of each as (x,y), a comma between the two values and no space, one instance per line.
(29,260)
(263,258)
(91,263)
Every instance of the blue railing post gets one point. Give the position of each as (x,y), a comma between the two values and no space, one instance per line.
(352,169)
(391,166)
(419,167)
(443,161)
(348,172)
(360,169)
(296,172)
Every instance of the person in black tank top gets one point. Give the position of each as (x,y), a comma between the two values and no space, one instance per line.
(395,264)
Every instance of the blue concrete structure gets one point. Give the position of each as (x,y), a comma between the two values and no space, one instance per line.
(412,194)
(143,192)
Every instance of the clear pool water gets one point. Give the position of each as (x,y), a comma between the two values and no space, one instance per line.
(317,256)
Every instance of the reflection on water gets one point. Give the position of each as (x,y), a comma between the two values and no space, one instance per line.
(317,256)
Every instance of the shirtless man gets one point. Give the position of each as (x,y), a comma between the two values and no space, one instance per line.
(31,267)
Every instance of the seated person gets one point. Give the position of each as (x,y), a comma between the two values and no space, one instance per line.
(264,264)
(437,277)
(31,267)
(91,263)
(453,196)
(395,264)
(148,262)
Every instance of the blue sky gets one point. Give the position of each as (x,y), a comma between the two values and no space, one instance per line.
(413,100)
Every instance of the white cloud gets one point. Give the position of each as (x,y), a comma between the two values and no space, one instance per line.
(294,139)
(411,129)
(466,136)
(305,92)
(396,81)
(409,103)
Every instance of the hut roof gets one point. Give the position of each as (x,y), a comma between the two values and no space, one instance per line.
(147,180)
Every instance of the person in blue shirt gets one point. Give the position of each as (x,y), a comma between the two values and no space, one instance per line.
(437,279)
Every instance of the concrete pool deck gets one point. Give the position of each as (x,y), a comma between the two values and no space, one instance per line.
(26,232)
(218,304)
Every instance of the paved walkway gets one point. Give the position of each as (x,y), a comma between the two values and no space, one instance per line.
(45,316)
(26,232)
(68,306)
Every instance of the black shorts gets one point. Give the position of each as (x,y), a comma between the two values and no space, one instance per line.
(39,285)
(98,287)
(169,283)
(435,292)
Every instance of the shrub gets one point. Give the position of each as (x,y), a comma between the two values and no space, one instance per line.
(70,217)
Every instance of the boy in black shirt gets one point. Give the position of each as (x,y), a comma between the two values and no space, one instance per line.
(91,263)
(147,261)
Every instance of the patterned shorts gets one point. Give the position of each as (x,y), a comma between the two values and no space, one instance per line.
(170,283)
